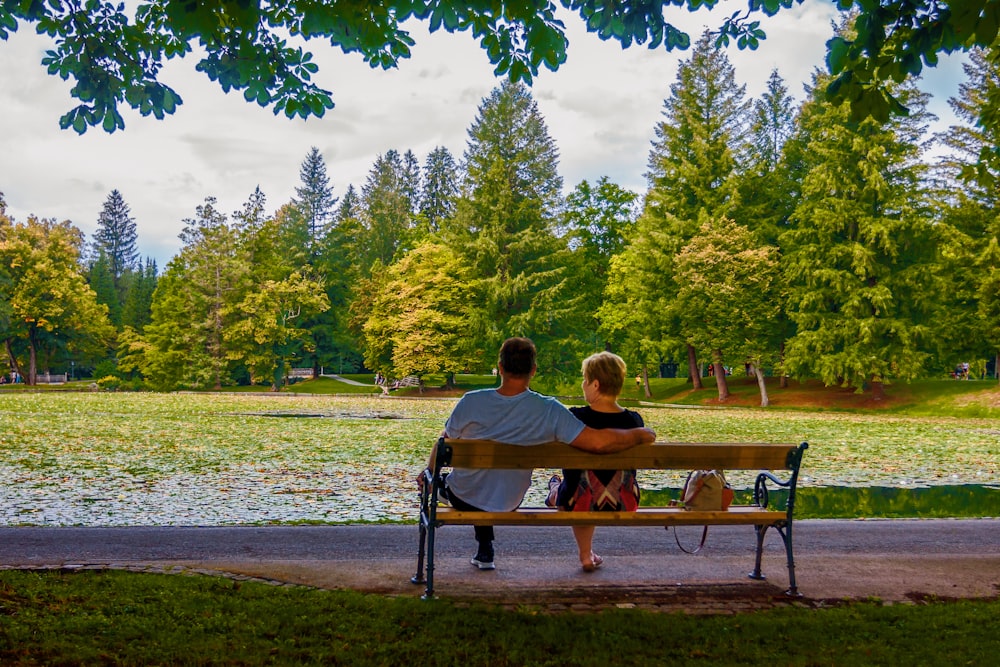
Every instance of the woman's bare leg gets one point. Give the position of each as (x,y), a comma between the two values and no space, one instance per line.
(585,543)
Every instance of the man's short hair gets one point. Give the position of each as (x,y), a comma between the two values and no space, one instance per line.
(608,369)
(517,356)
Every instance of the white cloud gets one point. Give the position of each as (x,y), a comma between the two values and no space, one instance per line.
(600,107)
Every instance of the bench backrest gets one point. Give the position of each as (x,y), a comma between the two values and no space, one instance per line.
(656,456)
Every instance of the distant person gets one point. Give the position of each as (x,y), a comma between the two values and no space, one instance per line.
(514,414)
(598,490)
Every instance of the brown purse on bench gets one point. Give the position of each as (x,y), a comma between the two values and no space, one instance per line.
(704,490)
(707,490)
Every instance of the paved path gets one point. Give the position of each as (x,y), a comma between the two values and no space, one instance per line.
(892,560)
(347,381)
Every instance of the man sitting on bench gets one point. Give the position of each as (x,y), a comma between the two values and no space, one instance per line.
(514,414)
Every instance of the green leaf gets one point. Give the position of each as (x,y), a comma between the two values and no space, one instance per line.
(837,53)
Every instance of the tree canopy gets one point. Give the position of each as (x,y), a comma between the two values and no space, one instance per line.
(115,57)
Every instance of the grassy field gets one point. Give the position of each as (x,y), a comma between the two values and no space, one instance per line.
(165,459)
(117,618)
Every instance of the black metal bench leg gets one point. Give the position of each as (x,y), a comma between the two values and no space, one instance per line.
(429,590)
(793,590)
(418,578)
(757,574)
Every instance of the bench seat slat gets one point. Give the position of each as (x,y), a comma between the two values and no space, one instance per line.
(656,456)
(644,516)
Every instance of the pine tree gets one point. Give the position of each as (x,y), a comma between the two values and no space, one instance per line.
(193,305)
(102,282)
(692,179)
(767,193)
(412,180)
(116,236)
(437,201)
(385,213)
(315,199)
(505,221)
(350,205)
(860,252)
(136,311)
(970,218)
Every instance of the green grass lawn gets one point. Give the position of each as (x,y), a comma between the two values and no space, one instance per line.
(119,618)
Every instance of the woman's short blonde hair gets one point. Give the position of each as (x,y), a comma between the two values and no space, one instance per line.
(608,369)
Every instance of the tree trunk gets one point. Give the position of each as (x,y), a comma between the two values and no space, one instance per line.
(693,371)
(764,401)
(783,382)
(32,358)
(14,366)
(720,375)
(645,382)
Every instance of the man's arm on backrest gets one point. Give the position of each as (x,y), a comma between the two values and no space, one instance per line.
(610,440)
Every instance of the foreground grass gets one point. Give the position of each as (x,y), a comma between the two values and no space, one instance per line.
(119,618)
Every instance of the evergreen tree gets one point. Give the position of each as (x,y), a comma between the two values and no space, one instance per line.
(969,173)
(116,237)
(385,213)
(350,205)
(692,179)
(192,305)
(136,312)
(860,252)
(505,222)
(767,194)
(315,199)
(102,282)
(437,201)
(412,180)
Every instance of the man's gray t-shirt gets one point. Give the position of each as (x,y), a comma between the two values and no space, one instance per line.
(527,418)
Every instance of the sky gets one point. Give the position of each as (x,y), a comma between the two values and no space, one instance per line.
(601,108)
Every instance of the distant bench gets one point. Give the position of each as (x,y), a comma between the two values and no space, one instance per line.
(51,378)
(408,381)
(763,457)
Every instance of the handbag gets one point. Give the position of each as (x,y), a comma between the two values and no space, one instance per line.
(707,490)
(704,490)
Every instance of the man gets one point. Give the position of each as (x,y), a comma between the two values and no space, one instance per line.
(514,414)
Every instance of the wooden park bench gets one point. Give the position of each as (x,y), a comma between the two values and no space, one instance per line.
(765,458)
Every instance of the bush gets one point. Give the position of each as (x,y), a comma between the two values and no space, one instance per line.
(109,383)
(106,368)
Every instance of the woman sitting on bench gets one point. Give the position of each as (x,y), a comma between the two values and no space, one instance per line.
(598,490)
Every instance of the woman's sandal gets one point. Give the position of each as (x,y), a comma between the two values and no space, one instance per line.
(595,562)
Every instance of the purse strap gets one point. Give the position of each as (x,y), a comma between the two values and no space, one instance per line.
(704,534)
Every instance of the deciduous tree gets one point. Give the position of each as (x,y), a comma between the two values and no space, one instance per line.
(115,56)
(50,309)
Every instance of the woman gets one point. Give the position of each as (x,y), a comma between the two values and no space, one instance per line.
(598,490)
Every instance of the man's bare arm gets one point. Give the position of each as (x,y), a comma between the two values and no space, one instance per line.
(610,440)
